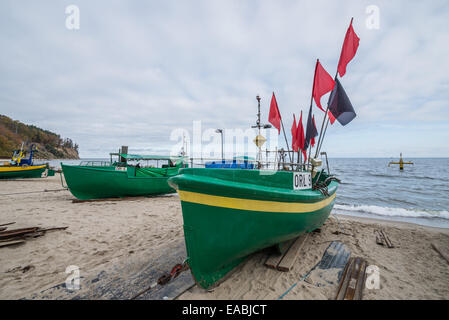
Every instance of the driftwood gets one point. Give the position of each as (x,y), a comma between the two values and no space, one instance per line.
(20,235)
(353,280)
(7,224)
(383,239)
(11,243)
(17,232)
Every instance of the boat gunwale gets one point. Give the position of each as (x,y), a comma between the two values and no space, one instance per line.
(22,169)
(109,171)
(209,186)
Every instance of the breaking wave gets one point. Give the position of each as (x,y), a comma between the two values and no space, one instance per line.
(393,212)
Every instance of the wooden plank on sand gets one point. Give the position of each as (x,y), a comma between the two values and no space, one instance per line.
(11,243)
(290,256)
(387,239)
(344,282)
(17,232)
(378,238)
(6,224)
(383,239)
(274,259)
(353,280)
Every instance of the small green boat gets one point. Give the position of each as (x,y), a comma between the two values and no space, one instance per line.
(99,179)
(22,165)
(16,172)
(231,213)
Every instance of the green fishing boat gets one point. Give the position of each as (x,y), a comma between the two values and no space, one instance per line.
(231,213)
(123,178)
(22,166)
(16,172)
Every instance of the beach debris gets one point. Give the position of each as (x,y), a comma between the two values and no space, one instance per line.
(11,243)
(284,261)
(166,278)
(18,236)
(383,239)
(353,281)
(17,233)
(7,224)
(340,232)
(28,268)
(444,255)
(21,269)
(329,270)
(108,199)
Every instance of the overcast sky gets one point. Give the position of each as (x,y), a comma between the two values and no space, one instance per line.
(137,70)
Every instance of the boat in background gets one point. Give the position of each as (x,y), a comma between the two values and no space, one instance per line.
(126,177)
(22,166)
(243,162)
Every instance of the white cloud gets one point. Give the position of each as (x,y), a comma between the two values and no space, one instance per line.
(136,71)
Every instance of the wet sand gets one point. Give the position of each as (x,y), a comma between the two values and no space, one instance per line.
(123,239)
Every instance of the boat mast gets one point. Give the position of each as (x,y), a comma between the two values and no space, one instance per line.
(260,140)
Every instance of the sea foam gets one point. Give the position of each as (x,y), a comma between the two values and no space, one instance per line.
(392,212)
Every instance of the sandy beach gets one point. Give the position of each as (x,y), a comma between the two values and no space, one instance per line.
(119,240)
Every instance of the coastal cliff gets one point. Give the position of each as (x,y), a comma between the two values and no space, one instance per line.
(49,145)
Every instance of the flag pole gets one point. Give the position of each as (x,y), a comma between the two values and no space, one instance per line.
(286,142)
(321,138)
(311,102)
(320,142)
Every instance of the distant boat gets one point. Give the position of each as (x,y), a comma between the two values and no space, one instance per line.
(401,162)
(100,179)
(21,166)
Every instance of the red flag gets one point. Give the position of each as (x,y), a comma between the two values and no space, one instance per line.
(348,50)
(312,141)
(331,117)
(294,130)
(300,138)
(322,83)
(275,117)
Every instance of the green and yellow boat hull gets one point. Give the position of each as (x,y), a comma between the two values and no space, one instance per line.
(17,172)
(229,214)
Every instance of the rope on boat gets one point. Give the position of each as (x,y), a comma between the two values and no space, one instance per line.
(62,181)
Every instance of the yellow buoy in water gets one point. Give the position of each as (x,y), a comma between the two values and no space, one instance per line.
(400,163)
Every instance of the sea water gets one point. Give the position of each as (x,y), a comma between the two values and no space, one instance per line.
(370,188)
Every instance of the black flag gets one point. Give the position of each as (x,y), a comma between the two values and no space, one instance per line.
(311,131)
(340,106)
